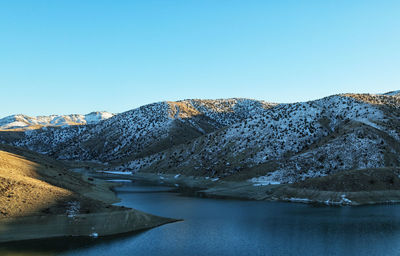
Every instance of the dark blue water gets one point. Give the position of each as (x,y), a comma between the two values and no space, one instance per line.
(231,227)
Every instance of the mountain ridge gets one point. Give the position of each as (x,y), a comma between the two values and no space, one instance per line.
(266,143)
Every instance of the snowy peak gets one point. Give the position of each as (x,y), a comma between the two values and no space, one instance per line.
(14,121)
(393,93)
(26,122)
(95,117)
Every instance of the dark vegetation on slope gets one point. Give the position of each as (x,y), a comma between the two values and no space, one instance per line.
(355,180)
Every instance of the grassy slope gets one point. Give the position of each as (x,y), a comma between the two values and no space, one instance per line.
(32,184)
(40,198)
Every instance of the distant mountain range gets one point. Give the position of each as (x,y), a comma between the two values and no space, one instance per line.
(392,93)
(230,138)
(26,122)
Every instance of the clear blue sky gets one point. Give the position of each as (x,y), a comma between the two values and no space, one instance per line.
(76,56)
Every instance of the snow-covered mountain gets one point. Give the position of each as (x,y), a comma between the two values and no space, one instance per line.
(393,93)
(27,122)
(236,138)
(292,142)
(143,131)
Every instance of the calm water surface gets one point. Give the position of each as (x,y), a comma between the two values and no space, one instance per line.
(232,227)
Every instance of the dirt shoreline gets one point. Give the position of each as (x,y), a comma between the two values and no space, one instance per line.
(92,225)
(245,190)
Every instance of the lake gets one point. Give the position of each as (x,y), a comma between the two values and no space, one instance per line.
(234,227)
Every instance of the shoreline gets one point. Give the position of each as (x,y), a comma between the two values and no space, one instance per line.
(245,190)
(81,225)
(41,198)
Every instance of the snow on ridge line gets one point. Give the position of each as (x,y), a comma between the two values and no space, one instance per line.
(23,121)
(392,93)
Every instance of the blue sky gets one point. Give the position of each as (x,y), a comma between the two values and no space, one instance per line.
(77,56)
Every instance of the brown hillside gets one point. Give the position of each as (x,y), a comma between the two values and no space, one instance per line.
(32,184)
